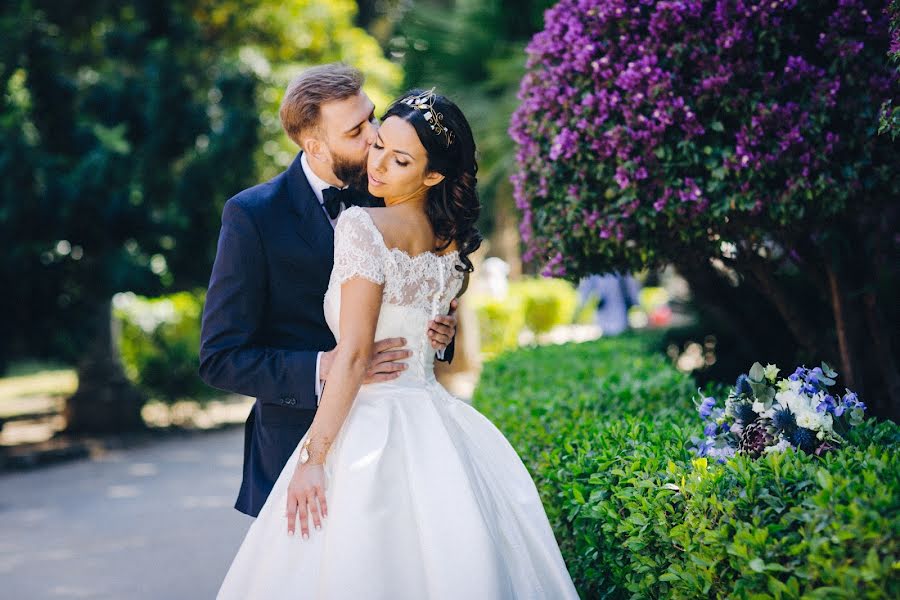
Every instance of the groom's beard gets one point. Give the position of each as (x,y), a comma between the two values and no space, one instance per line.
(351,173)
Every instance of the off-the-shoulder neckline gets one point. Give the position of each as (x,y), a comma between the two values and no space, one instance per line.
(371,222)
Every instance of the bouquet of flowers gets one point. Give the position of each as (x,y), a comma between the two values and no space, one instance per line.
(765,414)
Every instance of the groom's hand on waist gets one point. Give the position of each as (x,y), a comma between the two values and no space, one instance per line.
(384,366)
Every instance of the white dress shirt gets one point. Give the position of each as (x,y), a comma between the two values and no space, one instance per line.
(318,185)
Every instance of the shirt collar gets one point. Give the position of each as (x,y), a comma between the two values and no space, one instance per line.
(315,182)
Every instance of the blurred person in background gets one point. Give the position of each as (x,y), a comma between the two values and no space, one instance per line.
(615,294)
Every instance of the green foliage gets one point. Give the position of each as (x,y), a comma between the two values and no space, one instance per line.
(118,119)
(160,342)
(547,302)
(282,38)
(499,323)
(474,53)
(639,516)
(127,126)
(890,114)
(540,304)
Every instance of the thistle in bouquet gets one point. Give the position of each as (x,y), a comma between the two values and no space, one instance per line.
(763,414)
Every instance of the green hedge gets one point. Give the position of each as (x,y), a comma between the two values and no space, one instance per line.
(160,344)
(540,304)
(604,428)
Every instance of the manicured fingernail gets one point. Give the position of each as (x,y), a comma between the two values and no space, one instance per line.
(318,527)
(305,536)
(290,533)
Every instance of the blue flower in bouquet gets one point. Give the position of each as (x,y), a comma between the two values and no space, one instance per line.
(809,389)
(784,421)
(851,400)
(721,454)
(766,414)
(798,374)
(742,385)
(827,404)
(805,439)
(706,407)
(702,446)
(744,413)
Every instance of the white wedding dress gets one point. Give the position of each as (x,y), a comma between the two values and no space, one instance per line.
(426,498)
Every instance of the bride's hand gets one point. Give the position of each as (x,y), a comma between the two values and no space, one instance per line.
(306,496)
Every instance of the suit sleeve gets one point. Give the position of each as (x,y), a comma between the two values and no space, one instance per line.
(230,357)
(447,355)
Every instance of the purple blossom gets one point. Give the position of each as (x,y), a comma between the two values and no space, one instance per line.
(706,407)
(618,94)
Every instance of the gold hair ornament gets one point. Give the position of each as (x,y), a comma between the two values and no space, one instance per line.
(425,103)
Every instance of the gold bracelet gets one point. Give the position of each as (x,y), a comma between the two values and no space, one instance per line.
(304,451)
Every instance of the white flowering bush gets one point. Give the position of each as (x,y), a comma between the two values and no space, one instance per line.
(764,414)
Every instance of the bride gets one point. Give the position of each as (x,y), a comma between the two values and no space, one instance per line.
(400,490)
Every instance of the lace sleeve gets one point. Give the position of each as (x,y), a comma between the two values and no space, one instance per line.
(358,247)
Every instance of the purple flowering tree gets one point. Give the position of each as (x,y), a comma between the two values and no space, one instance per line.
(890,116)
(735,139)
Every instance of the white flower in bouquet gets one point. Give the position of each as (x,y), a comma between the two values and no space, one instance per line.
(816,421)
(781,446)
(792,400)
(765,414)
(760,409)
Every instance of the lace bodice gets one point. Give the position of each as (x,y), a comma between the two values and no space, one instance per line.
(416,288)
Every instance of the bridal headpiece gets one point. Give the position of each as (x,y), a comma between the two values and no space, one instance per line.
(424,102)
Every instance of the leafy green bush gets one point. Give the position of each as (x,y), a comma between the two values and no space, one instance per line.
(499,323)
(160,343)
(540,304)
(604,428)
(547,302)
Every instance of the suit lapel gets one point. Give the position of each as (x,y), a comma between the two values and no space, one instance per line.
(313,224)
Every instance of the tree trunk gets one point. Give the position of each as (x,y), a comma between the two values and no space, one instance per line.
(505,239)
(836,296)
(711,293)
(803,330)
(105,401)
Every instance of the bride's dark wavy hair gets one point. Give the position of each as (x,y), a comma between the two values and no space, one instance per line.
(452,205)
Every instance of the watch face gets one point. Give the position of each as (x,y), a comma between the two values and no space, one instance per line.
(304,455)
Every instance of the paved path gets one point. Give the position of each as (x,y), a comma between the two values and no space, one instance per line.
(150,522)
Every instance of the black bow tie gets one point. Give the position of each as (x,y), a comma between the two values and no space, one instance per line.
(332,198)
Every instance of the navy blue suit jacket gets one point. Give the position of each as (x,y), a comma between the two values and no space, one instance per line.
(263,322)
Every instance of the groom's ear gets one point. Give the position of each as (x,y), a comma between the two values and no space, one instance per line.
(314,147)
(433,178)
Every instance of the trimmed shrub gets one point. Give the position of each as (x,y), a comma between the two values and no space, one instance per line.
(547,302)
(499,323)
(160,344)
(537,303)
(606,439)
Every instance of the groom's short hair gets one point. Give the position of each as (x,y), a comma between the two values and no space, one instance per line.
(307,92)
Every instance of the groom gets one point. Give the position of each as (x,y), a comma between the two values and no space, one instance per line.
(264,332)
